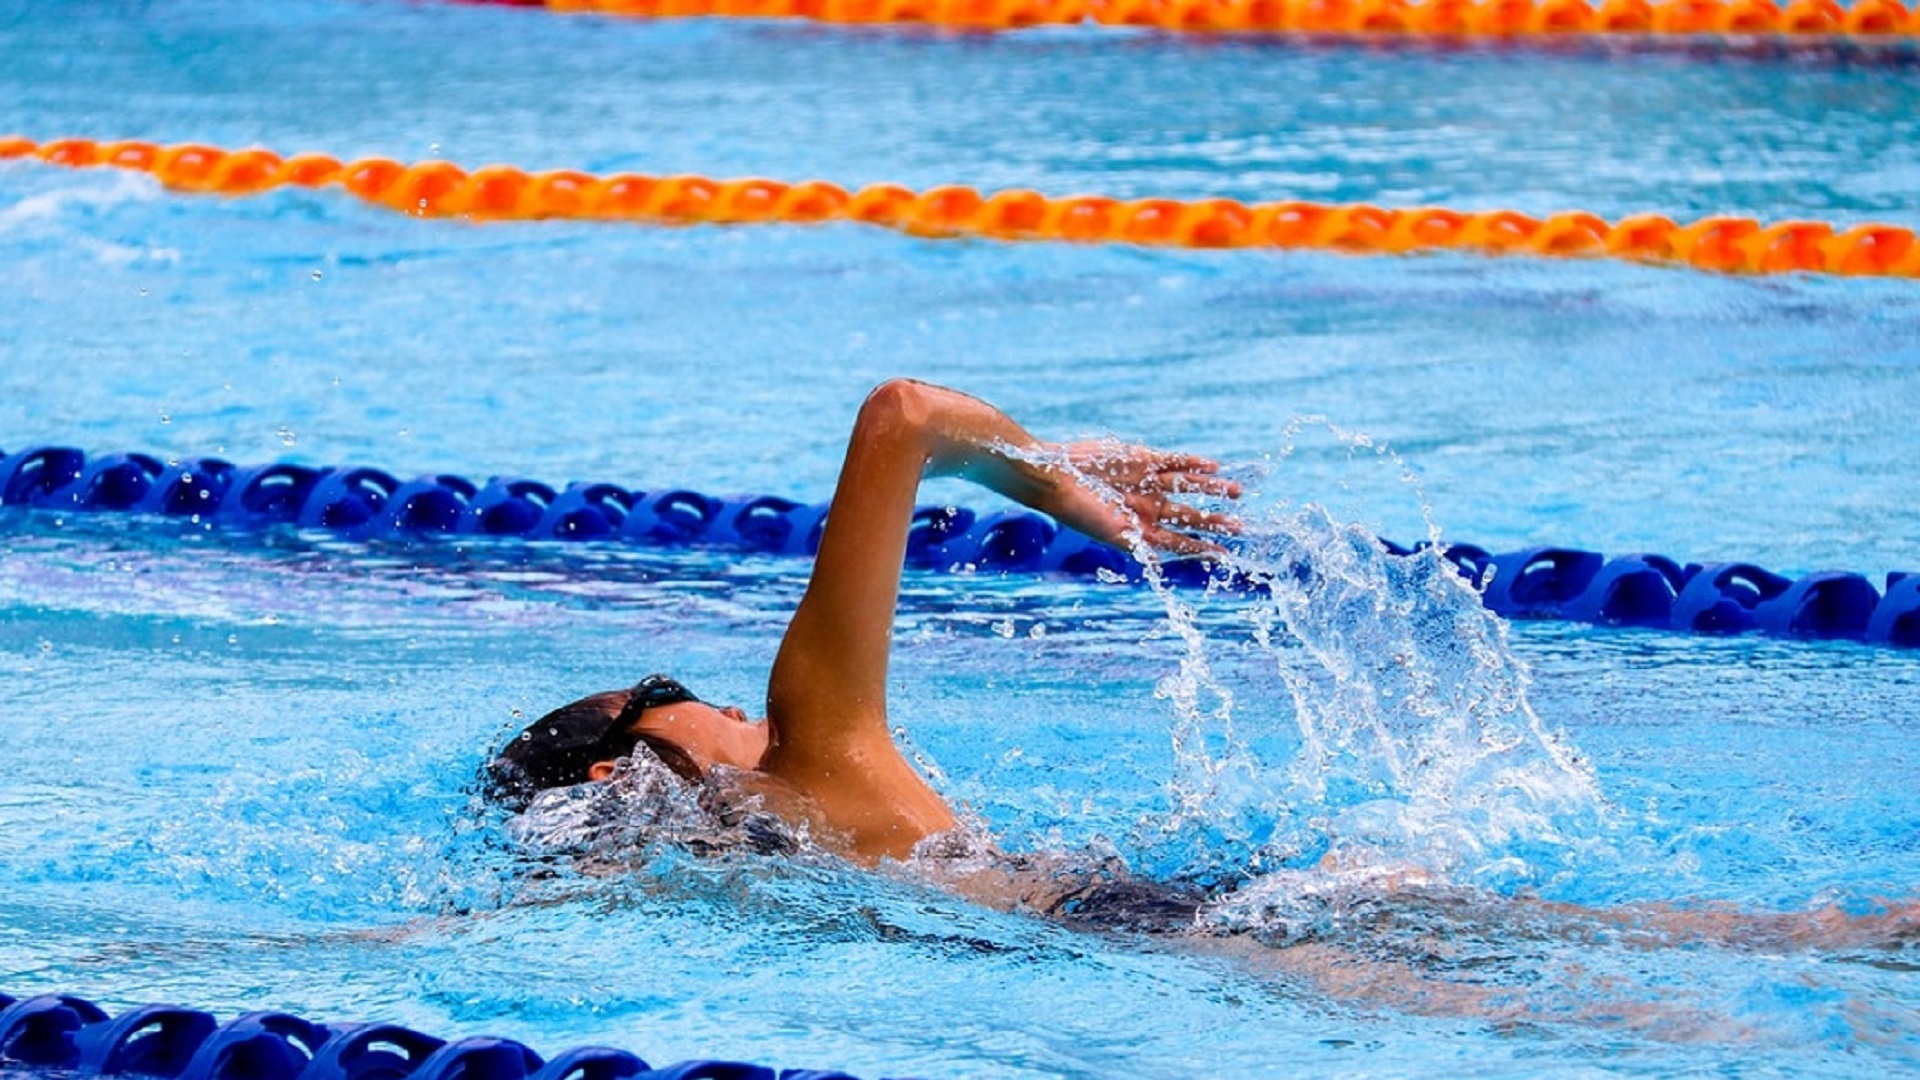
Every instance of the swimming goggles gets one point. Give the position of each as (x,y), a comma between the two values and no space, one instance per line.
(652,692)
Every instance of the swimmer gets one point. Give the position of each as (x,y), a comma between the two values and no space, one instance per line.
(824,759)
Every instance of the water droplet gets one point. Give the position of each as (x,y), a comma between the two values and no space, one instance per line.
(515,713)
(287,437)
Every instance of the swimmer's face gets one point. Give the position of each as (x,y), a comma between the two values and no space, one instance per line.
(706,734)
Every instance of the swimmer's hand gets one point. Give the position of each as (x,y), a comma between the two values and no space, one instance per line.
(1119,493)
(1123,493)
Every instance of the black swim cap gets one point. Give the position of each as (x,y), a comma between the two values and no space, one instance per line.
(557,749)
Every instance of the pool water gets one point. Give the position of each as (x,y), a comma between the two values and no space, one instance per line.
(239,767)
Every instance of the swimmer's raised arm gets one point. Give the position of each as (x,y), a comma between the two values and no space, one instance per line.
(827,698)
(826,759)
(828,690)
(908,429)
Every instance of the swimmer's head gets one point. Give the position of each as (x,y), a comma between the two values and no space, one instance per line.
(584,740)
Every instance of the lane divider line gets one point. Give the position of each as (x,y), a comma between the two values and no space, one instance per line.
(364,503)
(1504,19)
(1724,244)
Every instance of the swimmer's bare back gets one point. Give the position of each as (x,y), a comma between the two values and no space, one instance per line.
(831,760)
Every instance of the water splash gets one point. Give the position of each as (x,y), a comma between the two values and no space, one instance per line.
(644,808)
(1411,749)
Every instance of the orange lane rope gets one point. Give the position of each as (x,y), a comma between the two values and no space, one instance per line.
(501,192)
(1457,18)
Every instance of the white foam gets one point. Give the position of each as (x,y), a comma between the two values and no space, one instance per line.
(1415,750)
(97,191)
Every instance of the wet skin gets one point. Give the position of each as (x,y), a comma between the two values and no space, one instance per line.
(711,735)
(825,755)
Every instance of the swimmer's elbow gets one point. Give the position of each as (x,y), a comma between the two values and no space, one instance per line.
(898,401)
(945,428)
(895,408)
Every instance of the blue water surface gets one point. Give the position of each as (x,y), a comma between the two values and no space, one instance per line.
(239,768)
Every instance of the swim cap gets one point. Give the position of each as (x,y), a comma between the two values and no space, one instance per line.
(557,749)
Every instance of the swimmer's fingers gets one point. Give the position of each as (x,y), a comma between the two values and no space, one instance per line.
(1173,461)
(1199,483)
(1193,518)
(1131,493)
(1179,543)
(1130,467)
(1190,474)
(1168,525)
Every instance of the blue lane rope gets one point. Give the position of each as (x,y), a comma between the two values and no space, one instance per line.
(1642,590)
(76,1037)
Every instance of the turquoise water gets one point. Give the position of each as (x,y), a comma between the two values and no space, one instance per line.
(238,766)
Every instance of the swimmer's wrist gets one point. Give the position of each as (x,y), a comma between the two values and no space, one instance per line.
(1033,473)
